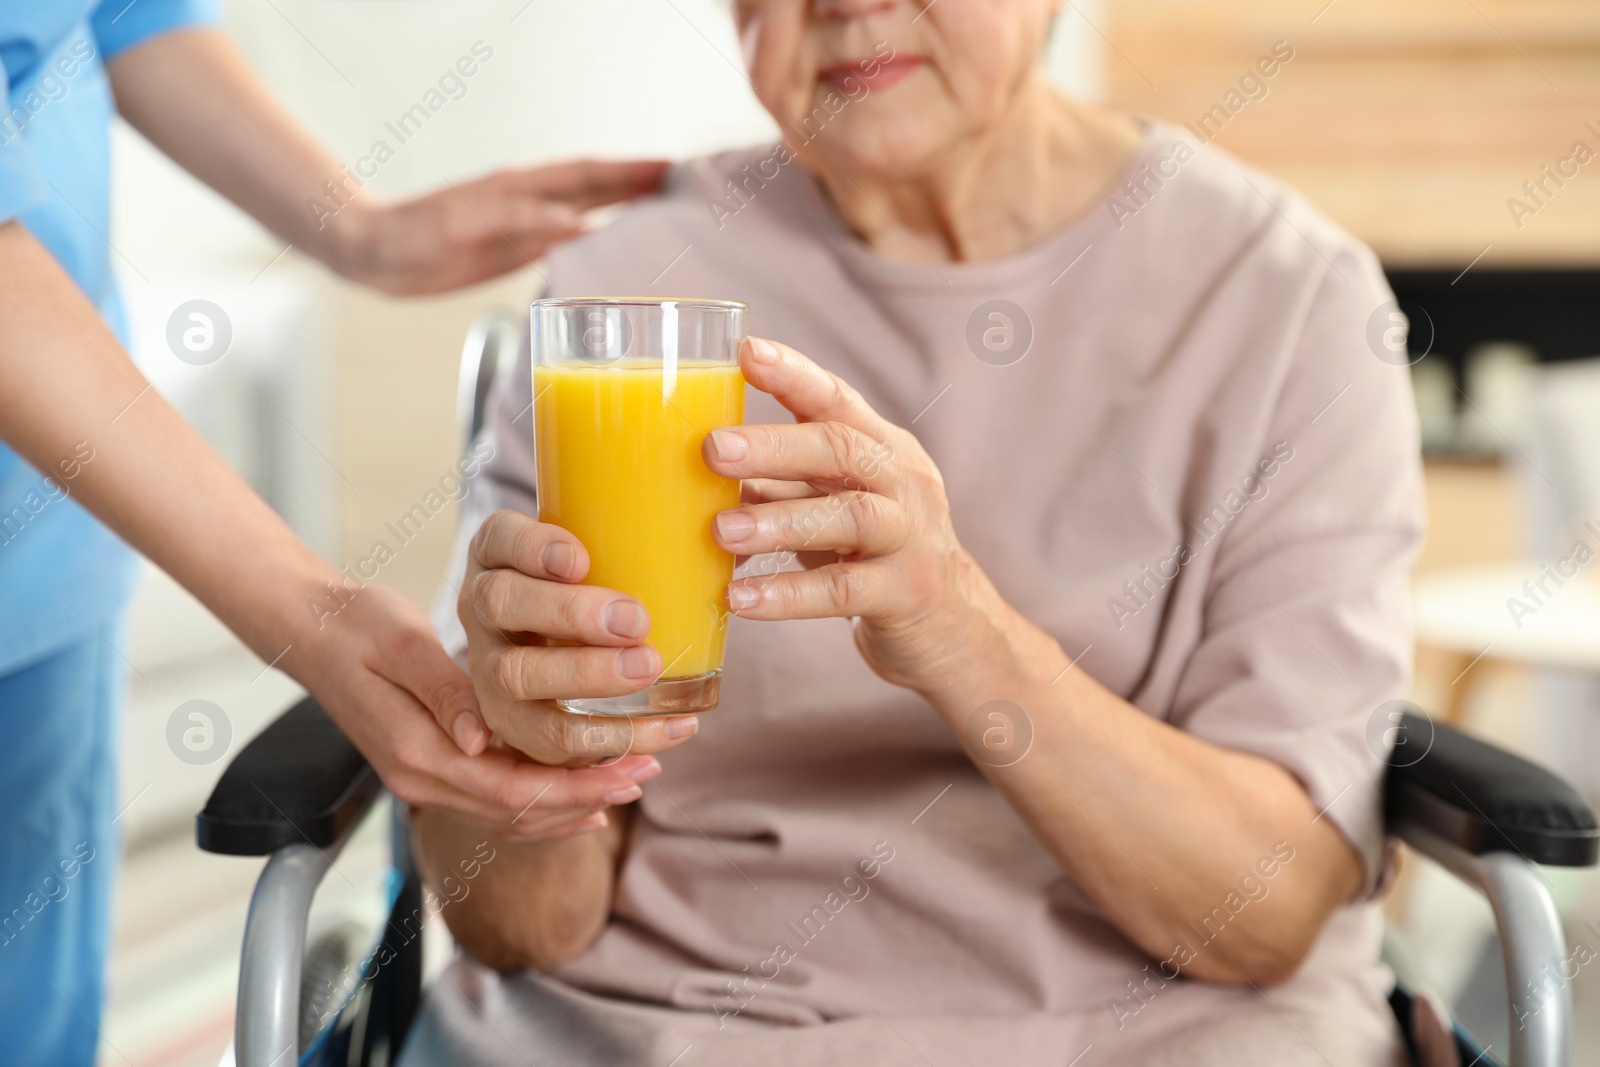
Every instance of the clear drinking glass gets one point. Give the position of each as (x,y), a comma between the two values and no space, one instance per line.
(624,392)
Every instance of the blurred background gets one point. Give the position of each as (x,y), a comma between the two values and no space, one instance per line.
(1444,133)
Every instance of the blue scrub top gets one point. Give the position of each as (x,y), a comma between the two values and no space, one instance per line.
(62,574)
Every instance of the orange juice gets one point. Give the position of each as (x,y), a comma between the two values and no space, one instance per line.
(619,467)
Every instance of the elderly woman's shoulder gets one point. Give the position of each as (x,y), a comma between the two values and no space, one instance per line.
(1186,191)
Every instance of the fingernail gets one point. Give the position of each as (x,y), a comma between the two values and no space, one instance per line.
(742,596)
(625,618)
(559,559)
(637,662)
(763,351)
(735,525)
(597,821)
(626,795)
(469,733)
(646,770)
(731,447)
(683,726)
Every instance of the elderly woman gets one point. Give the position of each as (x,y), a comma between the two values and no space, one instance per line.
(1078,515)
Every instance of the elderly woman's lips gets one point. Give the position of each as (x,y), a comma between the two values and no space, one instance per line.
(874,73)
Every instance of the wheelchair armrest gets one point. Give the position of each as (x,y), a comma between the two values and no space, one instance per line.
(299,780)
(1483,799)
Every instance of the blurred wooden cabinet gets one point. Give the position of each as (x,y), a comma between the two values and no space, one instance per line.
(1413,124)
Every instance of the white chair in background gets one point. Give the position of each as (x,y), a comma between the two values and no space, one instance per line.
(1559,475)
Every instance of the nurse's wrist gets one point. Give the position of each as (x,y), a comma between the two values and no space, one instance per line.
(350,240)
(309,593)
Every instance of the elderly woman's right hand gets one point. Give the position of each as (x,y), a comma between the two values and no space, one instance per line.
(521,593)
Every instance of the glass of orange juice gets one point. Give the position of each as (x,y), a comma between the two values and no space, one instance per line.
(624,392)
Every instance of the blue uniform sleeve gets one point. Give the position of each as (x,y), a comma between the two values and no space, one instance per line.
(22,184)
(121,24)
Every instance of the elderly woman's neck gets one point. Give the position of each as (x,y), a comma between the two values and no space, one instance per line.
(1042,167)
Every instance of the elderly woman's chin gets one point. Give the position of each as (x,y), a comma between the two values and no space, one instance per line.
(889,145)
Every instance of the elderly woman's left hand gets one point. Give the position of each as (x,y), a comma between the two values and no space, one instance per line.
(863,506)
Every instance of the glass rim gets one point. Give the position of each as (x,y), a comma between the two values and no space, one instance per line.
(696,303)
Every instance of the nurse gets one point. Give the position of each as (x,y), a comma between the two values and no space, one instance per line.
(88,433)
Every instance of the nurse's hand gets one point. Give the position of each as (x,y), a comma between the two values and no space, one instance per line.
(471,231)
(864,508)
(521,593)
(378,669)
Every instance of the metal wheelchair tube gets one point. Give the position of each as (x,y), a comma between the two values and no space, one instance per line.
(490,346)
(268,1028)
(1532,944)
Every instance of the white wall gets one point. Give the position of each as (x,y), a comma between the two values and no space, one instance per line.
(610,77)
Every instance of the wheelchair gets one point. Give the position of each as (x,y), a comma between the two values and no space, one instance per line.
(298,790)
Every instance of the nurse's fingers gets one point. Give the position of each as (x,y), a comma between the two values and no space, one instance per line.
(555,737)
(591,183)
(550,825)
(542,818)
(417,663)
(500,789)
(574,825)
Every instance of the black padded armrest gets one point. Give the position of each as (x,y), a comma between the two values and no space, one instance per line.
(1485,799)
(300,779)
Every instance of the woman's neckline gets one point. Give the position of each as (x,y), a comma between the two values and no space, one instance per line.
(1064,244)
